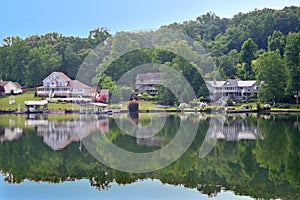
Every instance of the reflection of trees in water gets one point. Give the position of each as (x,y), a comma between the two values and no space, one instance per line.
(267,168)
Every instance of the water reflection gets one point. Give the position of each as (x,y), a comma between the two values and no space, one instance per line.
(10,133)
(234,128)
(256,156)
(57,134)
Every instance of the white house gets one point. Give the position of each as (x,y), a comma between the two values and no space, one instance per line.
(11,87)
(233,88)
(57,84)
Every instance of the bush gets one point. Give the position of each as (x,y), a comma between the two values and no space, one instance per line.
(126,92)
(229,102)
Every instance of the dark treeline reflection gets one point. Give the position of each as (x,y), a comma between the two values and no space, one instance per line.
(257,156)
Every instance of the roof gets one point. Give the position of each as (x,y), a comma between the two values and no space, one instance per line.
(36,103)
(148,78)
(246,83)
(77,84)
(233,82)
(62,75)
(215,83)
(3,83)
(71,83)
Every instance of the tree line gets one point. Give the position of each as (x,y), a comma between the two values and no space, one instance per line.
(248,46)
(262,45)
(28,61)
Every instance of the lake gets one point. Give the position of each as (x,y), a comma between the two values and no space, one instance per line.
(148,156)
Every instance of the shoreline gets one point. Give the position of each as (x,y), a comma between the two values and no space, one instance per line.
(114,111)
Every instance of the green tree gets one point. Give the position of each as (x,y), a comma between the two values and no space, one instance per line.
(97,36)
(14,55)
(106,82)
(227,64)
(42,61)
(248,51)
(166,96)
(292,60)
(271,73)
(276,41)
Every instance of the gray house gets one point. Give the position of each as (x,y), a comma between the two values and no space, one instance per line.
(232,88)
(146,82)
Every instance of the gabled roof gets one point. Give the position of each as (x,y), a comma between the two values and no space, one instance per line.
(61,75)
(77,84)
(246,83)
(71,83)
(148,78)
(215,83)
(3,83)
(17,85)
(232,82)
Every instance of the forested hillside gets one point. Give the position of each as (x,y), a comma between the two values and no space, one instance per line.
(248,46)
(228,39)
(29,60)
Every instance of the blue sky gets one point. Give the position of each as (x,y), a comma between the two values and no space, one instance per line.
(81,189)
(76,17)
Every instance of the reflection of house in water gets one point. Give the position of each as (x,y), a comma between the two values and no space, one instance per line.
(59,135)
(145,136)
(235,129)
(10,133)
(150,142)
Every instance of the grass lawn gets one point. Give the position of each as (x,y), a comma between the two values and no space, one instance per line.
(143,105)
(20,99)
(63,106)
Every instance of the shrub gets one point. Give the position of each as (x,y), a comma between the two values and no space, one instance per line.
(229,102)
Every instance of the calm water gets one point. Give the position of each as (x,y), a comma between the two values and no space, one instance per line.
(229,157)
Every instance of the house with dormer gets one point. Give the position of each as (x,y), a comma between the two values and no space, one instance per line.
(58,84)
(232,88)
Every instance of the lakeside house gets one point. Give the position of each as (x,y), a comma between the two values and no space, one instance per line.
(58,84)
(232,88)
(10,87)
(146,82)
